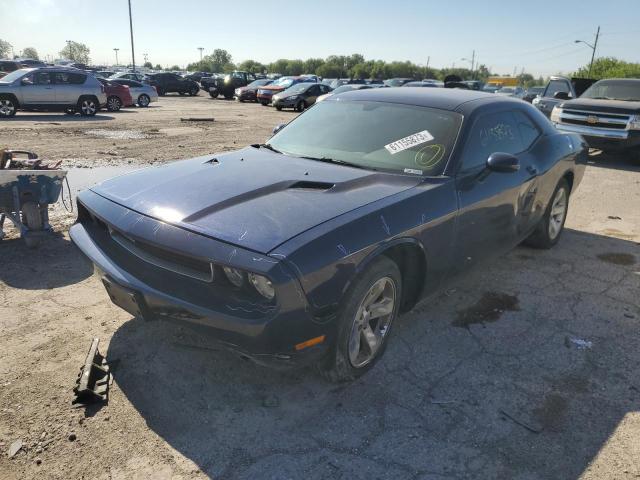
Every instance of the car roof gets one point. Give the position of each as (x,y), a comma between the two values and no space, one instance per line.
(452,99)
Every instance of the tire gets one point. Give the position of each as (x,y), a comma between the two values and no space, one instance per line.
(214,94)
(194,91)
(32,217)
(144,100)
(264,104)
(88,106)
(8,107)
(228,96)
(351,355)
(114,103)
(70,111)
(550,228)
(301,106)
(181,93)
(161,91)
(279,108)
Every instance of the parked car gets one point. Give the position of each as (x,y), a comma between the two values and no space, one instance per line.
(226,86)
(559,89)
(515,92)
(489,88)
(8,66)
(30,62)
(305,249)
(421,83)
(141,93)
(105,73)
(532,92)
(248,93)
(172,83)
(51,89)
(474,84)
(264,94)
(347,88)
(197,76)
(118,95)
(607,115)
(300,96)
(397,82)
(137,76)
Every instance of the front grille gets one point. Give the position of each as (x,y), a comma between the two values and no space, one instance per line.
(613,121)
(597,124)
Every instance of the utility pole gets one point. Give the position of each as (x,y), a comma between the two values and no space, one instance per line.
(116,50)
(133,54)
(428,60)
(473,61)
(201,49)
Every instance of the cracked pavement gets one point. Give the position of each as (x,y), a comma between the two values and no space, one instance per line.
(489,379)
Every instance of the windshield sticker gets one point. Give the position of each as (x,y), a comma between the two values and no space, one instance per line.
(413,171)
(430,155)
(408,142)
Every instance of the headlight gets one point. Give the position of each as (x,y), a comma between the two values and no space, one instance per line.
(293,97)
(536,101)
(555,114)
(263,285)
(235,276)
(237,91)
(634,122)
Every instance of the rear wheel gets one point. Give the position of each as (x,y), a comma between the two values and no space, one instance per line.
(194,91)
(264,104)
(213,93)
(144,100)
(161,91)
(548,232)
(301,106)
(365,321)
(88,106)
(8,107)
(279,108)
(228,96)
(114,103)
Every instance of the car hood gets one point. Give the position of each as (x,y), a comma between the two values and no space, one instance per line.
(255,199)
(612,106)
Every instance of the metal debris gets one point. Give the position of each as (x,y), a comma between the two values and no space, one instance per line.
(579,343)
(195,119)
(94,378)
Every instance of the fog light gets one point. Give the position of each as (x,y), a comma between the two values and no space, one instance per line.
(235,276)
(263,285)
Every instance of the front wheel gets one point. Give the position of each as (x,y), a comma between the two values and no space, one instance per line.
(8,107)
(194,91)
(365,321)
(301,106)
(213,93)
(548,232)
(161,91)
(114,104)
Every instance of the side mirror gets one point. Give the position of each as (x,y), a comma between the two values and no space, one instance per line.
(26,81)
(561,96)
(503,162)
(278,127)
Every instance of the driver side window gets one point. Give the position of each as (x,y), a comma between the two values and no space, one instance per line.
(493,132)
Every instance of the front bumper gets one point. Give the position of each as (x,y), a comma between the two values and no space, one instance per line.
(285,103)
(598,137)
(262,98)
(266,334)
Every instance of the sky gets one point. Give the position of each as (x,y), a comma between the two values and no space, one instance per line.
(507,36)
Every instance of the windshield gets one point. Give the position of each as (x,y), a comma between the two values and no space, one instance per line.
(375,135)
(10,77)
(285,82)
(614,90)
(296,89)
(344,88)
(259,83)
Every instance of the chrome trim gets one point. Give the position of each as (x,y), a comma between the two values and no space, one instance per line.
(593,131)
(584,118)
(130,245)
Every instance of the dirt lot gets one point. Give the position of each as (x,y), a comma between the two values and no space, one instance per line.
(525,369)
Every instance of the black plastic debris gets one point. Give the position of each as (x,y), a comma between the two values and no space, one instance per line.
(94,378)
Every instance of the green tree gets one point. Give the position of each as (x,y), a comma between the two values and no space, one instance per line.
(252,66)
(360,71)
(609,67)
(279,66)
(295,67)
(157,67)
(329,70)
(76,51)
(5,48)
(219,61)
(148,65)
(175,67)
(311,65)
(30,52)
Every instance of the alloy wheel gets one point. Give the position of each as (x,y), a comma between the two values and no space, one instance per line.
(372,321)
(558,213)
(88,107)
(143,101)
(7,108)
(114,104)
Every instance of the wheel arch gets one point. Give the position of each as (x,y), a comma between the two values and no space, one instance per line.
(12,97)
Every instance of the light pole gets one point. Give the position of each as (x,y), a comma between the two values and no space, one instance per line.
(592,47)
(133,54)
(201,49)
(473,62)
(116,50)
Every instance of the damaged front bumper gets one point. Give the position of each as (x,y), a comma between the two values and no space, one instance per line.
(265,332)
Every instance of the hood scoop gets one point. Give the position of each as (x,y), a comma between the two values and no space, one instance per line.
(308,185)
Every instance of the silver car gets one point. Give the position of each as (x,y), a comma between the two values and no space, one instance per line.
(141,93)
(51,89)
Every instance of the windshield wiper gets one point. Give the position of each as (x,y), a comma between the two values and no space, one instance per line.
(267,146)
(339,162)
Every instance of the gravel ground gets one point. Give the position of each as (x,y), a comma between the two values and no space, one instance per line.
(525,369)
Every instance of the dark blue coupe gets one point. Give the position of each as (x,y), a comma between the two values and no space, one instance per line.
(305,249)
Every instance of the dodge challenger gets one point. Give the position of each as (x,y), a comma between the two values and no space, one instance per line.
(305,249)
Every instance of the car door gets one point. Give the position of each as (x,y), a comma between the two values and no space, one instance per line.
(68,87)
(38,88)
(494,207)
(313,92)
(547,102)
